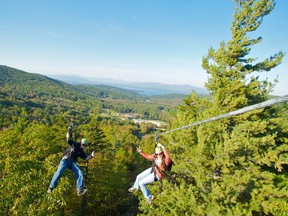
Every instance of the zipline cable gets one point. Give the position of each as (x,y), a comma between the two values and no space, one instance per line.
(232,113)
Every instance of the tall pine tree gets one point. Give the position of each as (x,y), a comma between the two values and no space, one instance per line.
(234,166)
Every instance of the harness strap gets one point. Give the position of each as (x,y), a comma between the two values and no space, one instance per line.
(161,171)
(153,170)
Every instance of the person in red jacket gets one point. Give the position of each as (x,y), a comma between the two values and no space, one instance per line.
(161,160)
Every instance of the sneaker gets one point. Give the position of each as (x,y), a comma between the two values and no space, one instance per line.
(50,189)
(150,199)
(81,191)
(131,189)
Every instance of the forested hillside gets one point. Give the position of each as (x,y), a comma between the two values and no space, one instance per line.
(233,166)
(35,113)
(46,99)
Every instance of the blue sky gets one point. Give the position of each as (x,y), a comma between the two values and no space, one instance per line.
(134,40)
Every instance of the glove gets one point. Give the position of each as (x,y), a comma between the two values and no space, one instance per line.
(93,153)
(139,150)
(68,136)
(161,146)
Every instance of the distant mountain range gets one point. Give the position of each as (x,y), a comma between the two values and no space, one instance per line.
(144,88)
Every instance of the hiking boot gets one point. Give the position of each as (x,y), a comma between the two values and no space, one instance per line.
(150,199)
(81,191)
(131,189)
(50,189)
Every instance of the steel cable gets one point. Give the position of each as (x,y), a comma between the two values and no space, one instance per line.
(233,113)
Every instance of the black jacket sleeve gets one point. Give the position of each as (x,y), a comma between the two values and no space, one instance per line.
(84,156)
(71,142)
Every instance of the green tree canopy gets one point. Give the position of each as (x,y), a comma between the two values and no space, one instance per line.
(238,165)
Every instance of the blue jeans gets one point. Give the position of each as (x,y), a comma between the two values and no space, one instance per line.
(64,164)
(144,178)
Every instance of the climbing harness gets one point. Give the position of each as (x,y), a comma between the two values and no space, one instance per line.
(167,169)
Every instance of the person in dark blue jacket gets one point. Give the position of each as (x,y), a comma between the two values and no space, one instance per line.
(68,160)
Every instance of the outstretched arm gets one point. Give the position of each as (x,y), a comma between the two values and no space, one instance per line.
(90,156)
(70,140)
(86,157)
(145,155)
